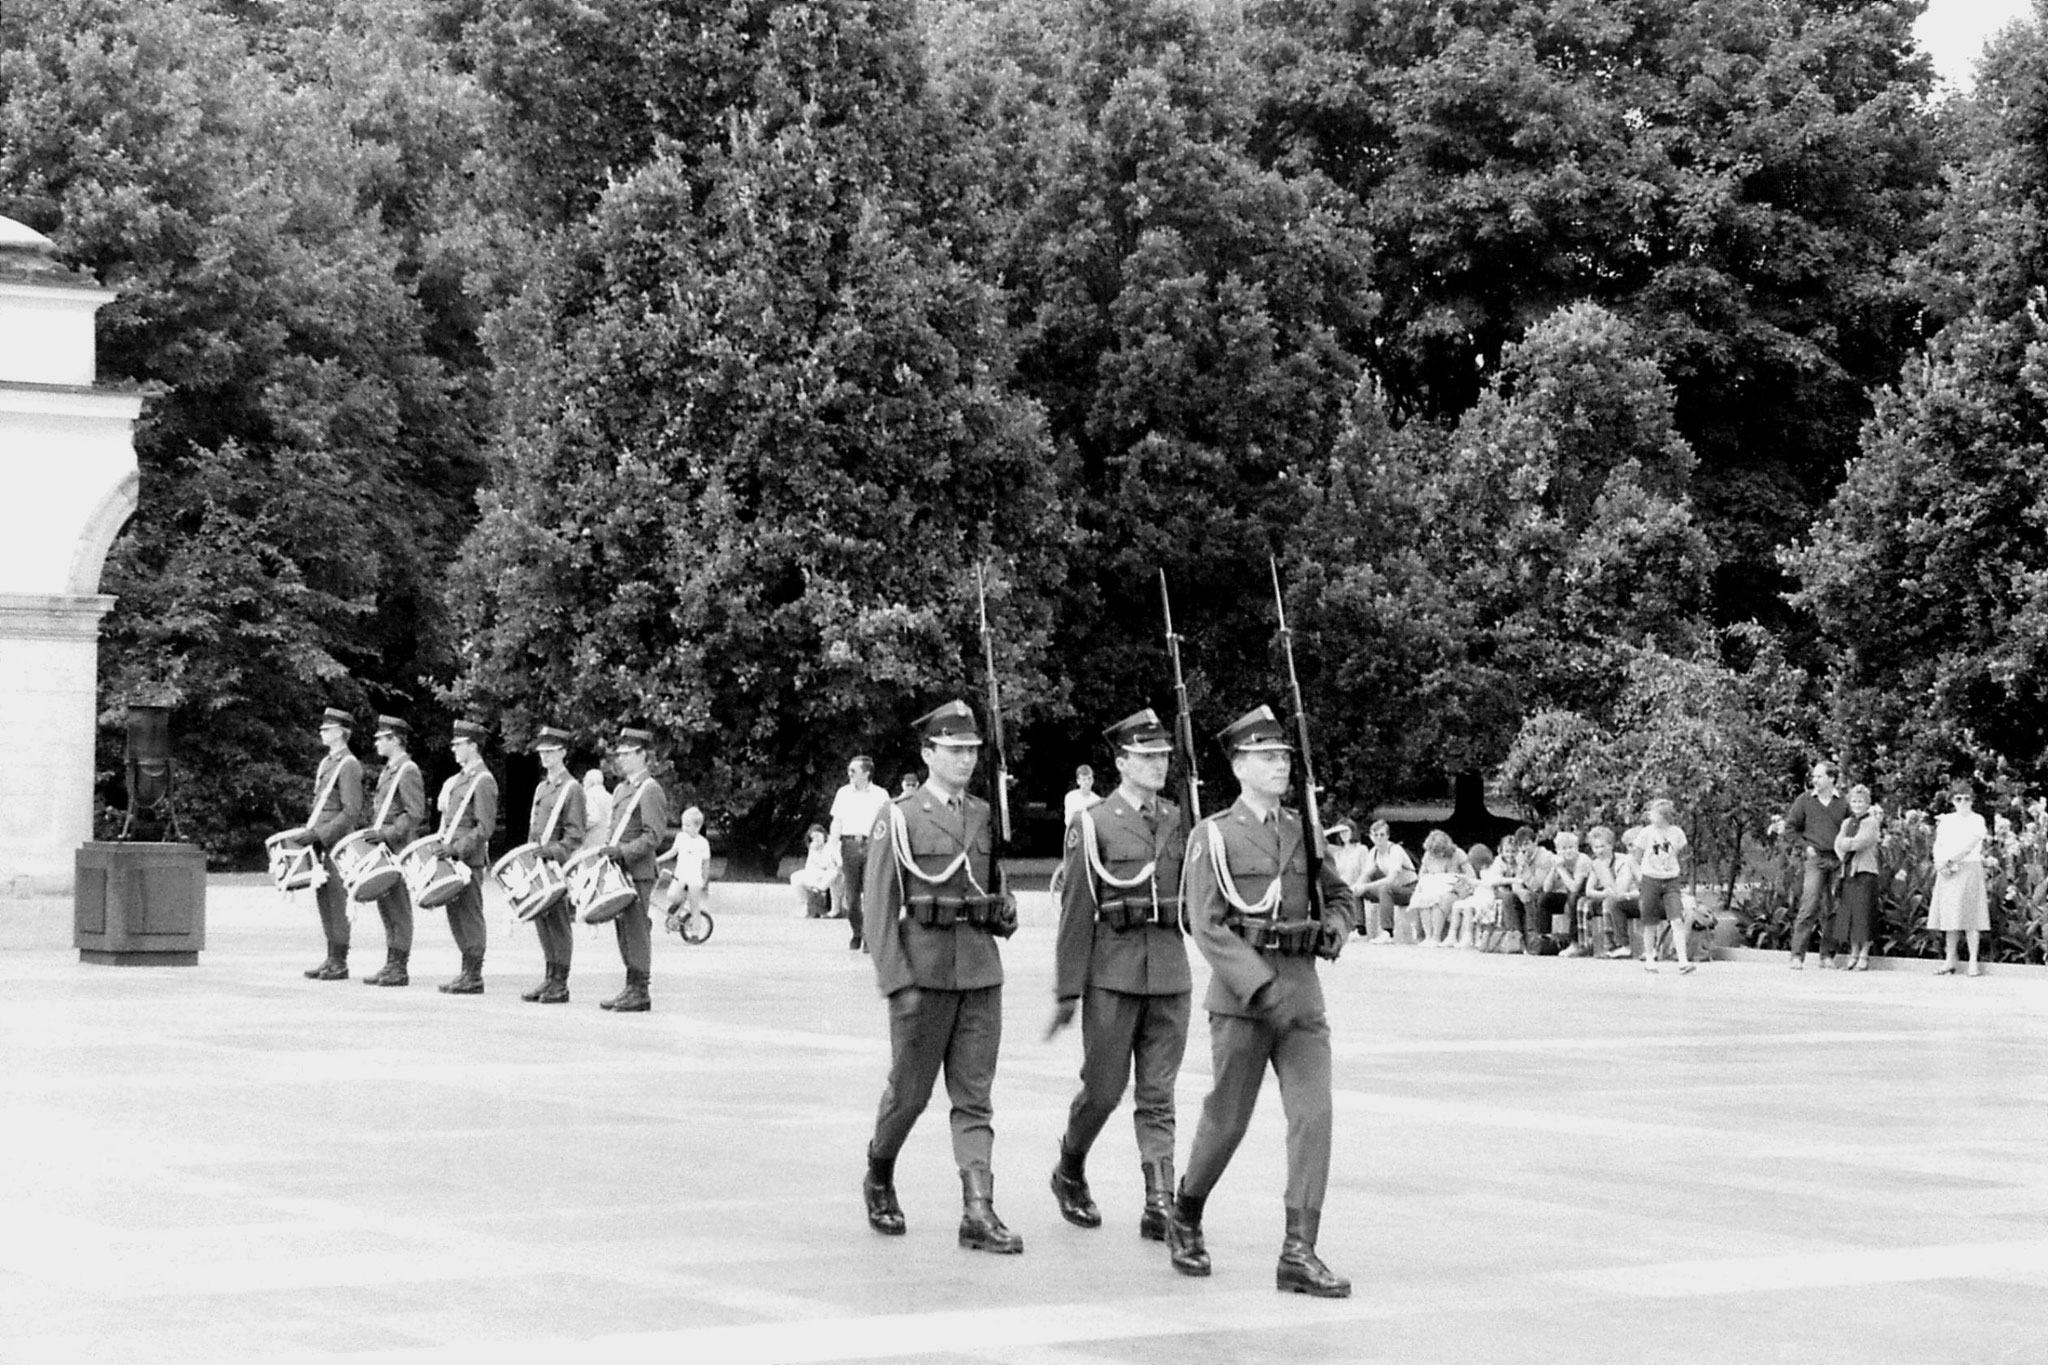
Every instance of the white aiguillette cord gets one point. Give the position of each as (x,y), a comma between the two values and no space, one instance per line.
(1265,905)
(899,837)
(1093,849)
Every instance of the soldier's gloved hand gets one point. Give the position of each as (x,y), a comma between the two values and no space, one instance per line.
(615,853)
(1062,1015)
(1332,941)
(1004,922)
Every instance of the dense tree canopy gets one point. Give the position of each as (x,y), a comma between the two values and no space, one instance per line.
(680,360)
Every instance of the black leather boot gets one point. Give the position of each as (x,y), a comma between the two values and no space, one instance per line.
(555,990)
(980,1229)
(1070,1190)
(1158,1199)
(335,968)
(391,974)
(470,981)
(1301,1271)
(878,1188)
(633,999)
(1184,1234)
(533,996)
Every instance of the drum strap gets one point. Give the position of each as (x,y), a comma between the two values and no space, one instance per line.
(462,806)
(626,812)
(547,830)
(384,806)
(326,790)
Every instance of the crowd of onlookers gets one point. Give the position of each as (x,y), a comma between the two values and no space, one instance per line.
(1617,896)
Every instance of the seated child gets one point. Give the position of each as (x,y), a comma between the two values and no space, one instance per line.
(692,877)
(1480,908)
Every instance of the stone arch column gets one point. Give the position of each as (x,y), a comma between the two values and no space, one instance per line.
(67,460)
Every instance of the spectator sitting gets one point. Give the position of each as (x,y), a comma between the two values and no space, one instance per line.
(1442,878)
(1610,892)
(1389,882)
(1482,907)
(815,879)
(1531,884)
(1560,895)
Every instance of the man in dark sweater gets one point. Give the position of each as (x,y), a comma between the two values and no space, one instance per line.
(1811,826)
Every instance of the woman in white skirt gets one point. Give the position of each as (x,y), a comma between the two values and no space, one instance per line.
(1958,906)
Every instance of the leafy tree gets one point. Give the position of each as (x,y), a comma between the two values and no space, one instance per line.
(307,449)
(755,437)
(1738,180)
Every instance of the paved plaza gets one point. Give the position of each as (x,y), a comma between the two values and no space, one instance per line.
(1537,1161)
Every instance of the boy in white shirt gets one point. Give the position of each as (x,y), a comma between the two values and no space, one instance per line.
(692,878)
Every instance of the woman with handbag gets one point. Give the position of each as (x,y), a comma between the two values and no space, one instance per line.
(1857,846)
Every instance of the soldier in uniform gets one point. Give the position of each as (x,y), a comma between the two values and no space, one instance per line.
(401,813)
(337,813)
(1254,918)
(1121,959)
(934,906)
(556,824)
(639,825)
(469,812)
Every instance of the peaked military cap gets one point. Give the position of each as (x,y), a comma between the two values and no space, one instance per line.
(471,730)
(1256,731)
(549,737)
(1141,732)
(342,718)
(951,725)
(630,738)
(392,725)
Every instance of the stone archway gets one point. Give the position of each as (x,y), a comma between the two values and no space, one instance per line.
(67,460)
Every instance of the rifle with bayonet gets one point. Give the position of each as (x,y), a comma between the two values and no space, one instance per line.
(998,768)
(1183,717)
(1315,841)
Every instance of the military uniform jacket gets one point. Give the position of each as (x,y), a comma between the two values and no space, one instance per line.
(469,838)
(567,835)
(340,810)
(1257,852)
(955,957)
(639,826)
(1144,959)
(406,815)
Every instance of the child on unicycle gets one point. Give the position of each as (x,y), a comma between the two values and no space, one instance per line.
(689,884)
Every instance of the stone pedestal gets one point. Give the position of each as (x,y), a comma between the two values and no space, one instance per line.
(68,465)
(140,904)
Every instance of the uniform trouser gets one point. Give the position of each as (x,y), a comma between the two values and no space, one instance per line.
(1239,1051)
(1121,1033)
(961,1031)
(635,934)
(332,899)
(853,860)
(395,908)
(466,914)
(553,927)
(1816,897)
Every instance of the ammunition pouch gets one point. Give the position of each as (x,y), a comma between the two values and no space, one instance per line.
(1295,938)
(992,914)
(1125,913)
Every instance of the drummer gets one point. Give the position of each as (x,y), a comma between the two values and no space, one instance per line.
(469,812)
(401,814)
(337,813)
(639,824)
(556,826)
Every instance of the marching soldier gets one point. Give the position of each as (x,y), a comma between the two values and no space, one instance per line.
(639,825)
(556,824)
(337,813)
(1254,919)
(1120,957)
(401,814)
(934,907)
(469,812)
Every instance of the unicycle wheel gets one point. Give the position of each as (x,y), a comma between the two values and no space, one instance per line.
(697,926)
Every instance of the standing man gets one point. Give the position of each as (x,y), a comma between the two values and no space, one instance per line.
(1255,919)
(1120,958)
(469,812)
(634,843)
(1812,824)
(337,813)
(401,814)
(855,809)
(556,824)
(934,906)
